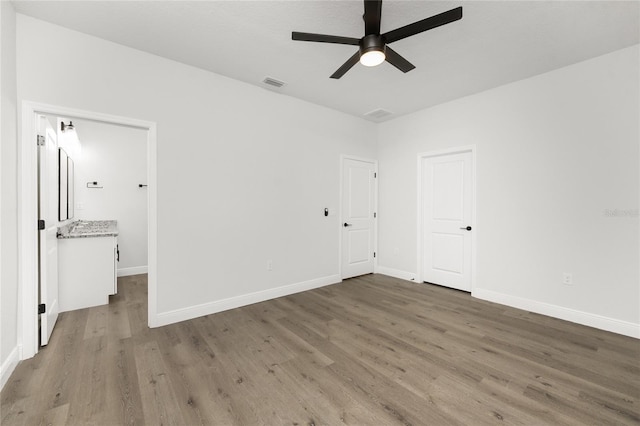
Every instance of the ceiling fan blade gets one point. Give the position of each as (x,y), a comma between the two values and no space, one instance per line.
(424,25)
(322,38)
(397,61)
(372,16)
(346,66)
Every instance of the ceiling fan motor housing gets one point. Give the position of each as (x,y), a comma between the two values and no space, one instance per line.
(372,42)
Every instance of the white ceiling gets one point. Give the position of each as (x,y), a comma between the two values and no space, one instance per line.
(495,43)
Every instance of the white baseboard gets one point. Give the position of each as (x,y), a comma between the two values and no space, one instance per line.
(580,317)
(8,366)
(396,273)
(165,318)
(135,270)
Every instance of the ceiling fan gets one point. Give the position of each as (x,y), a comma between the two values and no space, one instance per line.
(373,47)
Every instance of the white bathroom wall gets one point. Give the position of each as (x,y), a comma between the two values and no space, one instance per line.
(244,174)
(557,189)
(116,158)
(8,203)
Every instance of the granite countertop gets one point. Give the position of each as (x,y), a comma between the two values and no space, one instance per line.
(89,228)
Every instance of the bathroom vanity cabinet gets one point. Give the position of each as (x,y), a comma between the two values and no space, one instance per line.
(87,266)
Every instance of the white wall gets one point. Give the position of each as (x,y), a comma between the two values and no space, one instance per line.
(244,174)
(8,203)
(115,157)
(554,153)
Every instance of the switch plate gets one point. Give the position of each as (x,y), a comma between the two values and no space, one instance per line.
(269,265)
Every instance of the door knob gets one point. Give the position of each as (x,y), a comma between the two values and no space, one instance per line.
(347,224)
(468,228)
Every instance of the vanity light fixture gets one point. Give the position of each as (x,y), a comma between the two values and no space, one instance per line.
(65,127)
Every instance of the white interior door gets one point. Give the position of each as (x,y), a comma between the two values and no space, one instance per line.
(358,210)
(47,238)
(447,213)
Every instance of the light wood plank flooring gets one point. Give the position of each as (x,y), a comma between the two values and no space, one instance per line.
(370,351)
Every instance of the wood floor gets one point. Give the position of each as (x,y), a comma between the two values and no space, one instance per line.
(370,351)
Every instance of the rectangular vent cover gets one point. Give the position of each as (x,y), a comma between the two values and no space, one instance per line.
(273,82)
(378,113)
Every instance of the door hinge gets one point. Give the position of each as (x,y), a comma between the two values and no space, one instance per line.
(40,140)
(375,215)
(375,175)
(41,224)
(374,254)
(42,308)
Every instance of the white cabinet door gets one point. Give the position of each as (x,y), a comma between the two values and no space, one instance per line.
(87,271)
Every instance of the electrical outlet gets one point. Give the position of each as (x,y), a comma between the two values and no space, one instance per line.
(79,205)
(567,278)
(269,265)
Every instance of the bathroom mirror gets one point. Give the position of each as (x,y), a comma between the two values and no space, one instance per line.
(70,188)
(63,161)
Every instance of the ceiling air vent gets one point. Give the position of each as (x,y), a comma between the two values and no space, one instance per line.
(378,113)
(269,81)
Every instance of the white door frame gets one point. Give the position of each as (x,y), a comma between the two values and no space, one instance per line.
(28,215)
(375,209)
(420,228)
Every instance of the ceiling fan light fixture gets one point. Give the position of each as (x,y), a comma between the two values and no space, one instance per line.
(372,58)
(372,50)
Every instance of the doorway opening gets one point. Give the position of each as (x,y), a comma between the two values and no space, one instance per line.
(446,218)
(29,215)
